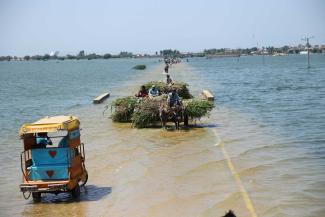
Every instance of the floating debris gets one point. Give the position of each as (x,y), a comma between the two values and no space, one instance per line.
(207,95)
(140,67)
(99,99)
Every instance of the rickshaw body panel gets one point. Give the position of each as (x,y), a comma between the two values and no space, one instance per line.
(55,169)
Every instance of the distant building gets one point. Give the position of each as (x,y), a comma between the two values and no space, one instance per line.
(54,53)
(81,53)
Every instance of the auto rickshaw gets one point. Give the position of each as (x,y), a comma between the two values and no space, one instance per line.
(50,167)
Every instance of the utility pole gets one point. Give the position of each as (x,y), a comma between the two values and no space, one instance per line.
(263,53)
(306,39)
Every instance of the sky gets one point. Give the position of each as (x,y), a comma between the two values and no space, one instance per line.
(145,26)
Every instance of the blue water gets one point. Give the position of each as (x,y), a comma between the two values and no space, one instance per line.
(281,93)
(34,89)
(279,148)
(270,114)
(30,90)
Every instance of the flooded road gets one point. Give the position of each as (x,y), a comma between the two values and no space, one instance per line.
(153,172)
(148,172)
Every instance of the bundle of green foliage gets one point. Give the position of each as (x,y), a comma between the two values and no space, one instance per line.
(123,109)
(140,67)
(196,108)
(146,112)
(181,87)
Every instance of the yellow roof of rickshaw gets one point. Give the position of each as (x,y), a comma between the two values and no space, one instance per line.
(51,124)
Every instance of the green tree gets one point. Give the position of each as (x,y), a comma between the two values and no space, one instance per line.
(92,56)
(46,57)
(70,57)
(285,49)
(81,53)
(27,57)
(125,54)
(107,56)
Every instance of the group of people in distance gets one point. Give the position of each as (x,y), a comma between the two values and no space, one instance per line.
(172,99)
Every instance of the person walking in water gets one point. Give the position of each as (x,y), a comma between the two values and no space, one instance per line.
(169,80)
(166,68)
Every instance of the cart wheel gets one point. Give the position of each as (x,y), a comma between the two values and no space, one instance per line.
(76,191)
(36,196)
(84,179)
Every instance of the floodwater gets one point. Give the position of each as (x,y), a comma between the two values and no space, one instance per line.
(268,119)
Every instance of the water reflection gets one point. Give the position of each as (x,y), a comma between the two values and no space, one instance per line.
(64,204)
(88,193)
(94,193)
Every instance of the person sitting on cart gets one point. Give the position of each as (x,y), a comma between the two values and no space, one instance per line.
(173,98)
(42,140)
(142,92)
(153,91)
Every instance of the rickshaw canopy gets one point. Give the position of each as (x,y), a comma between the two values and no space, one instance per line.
(50,124)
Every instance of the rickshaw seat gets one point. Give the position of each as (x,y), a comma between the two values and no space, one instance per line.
(51,156)
(48,172)
(50,163)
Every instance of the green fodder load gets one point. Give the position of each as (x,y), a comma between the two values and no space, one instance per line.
(146,112)
(197,108)
(181,87)
(140,67)
(123,109)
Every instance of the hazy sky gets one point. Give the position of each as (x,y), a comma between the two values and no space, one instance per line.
(101,26)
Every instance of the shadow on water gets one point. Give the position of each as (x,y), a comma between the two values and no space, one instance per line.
(64,205)
(88,193)
(206,126)
(171,127)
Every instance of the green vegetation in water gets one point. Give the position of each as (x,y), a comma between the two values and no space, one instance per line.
(197,108)
(123,109)
(145,112)
(181,87)
(140,67)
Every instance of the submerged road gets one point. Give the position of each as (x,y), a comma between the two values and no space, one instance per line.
(153,172)
(150,172)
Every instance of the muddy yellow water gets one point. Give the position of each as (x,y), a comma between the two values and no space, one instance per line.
(156,173)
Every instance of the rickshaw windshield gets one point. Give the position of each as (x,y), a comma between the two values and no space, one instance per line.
(54,139)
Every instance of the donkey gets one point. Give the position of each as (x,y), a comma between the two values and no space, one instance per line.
(173,113)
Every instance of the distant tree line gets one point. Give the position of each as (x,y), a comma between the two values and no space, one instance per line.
(264,50)
(80,56)
(170,53)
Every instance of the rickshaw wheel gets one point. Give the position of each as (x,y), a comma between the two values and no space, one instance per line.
(76,191)
(36,196)
(84,179)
